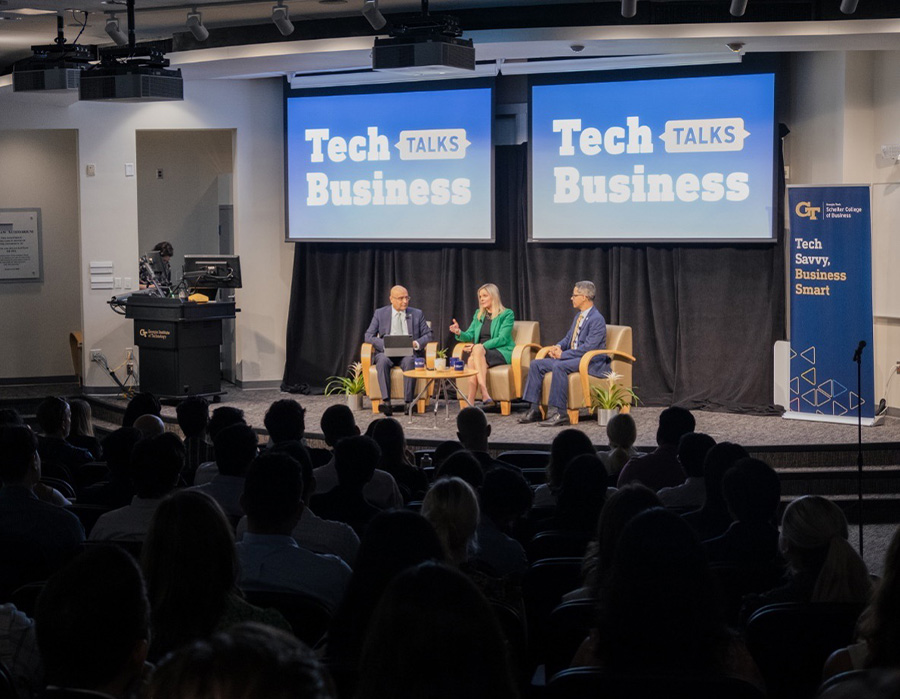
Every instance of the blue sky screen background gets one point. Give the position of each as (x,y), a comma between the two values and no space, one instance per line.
(673,159)
(394,166)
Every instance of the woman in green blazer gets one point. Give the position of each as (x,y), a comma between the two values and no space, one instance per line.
(490,339)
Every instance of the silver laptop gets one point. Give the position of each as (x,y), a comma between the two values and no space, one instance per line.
(398,345)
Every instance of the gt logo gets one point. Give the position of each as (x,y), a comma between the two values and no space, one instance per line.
(804,210)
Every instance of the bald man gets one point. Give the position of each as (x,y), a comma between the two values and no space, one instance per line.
(397,319)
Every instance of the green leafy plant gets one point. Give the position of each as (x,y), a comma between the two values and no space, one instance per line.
(442,353)
(350,385)
(612,397)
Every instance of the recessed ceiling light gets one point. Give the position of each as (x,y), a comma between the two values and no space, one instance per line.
(32,11)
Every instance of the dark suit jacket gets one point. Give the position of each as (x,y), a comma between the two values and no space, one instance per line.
(381,326)
(592,336)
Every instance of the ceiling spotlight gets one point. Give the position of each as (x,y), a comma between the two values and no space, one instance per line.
(282,20)
(195,25)
(115,33)
(373,15)
(738,8)
(848,7)
(629,8)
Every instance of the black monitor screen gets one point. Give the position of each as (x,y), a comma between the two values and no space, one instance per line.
(212,271)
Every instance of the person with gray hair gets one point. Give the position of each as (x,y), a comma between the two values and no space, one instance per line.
(588,332)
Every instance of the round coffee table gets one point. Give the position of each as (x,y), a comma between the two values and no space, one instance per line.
(439,378)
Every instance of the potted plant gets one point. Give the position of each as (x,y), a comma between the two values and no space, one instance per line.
(440,359)
(608,400)
(352,385)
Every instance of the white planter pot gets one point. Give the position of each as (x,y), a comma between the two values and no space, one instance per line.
(440,363)
(354,401)
(603,416)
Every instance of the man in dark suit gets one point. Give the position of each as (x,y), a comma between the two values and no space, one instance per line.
(588,332)
(397,319)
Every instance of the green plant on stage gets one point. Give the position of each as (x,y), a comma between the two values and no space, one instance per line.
(350,385)
(613,396)
(441,353)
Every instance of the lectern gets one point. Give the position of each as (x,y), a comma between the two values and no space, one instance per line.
(180,343)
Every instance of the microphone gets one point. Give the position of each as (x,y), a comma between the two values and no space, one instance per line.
(857,356)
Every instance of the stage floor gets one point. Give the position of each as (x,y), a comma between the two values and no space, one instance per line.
(747,430)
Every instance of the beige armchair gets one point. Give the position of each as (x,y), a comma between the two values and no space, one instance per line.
(370,377)
(507,381)
(619,349)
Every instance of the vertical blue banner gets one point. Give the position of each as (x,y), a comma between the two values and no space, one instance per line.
(831,302)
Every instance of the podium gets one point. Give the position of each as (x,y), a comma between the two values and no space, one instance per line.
(179,344)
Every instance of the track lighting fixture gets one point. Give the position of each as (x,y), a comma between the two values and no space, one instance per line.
(738,8)
(281,18)
(373,15)
(195,25)
(629,8)
(113,30)
(848,7)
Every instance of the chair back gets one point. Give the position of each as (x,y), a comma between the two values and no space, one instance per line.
(309,618)
(527,459)
(88,514)
(791,642)
(25,597)
(91,473)
(526,331)
(618,337)
(515,633)
(557,543)
(64,487)
(7,686)
(580,682)
(543,586)
(570,623)
(738,579)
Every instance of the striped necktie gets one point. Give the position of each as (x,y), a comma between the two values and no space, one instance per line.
(577,328)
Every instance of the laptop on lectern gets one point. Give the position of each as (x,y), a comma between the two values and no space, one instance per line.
(398,345)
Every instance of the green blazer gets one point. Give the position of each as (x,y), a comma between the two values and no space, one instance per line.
(501,333)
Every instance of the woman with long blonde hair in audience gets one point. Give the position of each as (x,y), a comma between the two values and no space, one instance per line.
(81,431)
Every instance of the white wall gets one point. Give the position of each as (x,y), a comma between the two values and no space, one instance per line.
(38,170)
(108,205)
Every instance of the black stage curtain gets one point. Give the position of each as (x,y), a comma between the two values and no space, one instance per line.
(705,317)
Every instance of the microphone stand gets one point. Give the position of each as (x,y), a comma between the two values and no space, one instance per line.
(857,357)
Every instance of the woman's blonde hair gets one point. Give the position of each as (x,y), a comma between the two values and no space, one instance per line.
(497,306)
(814,535)
(452,508)
(81,418)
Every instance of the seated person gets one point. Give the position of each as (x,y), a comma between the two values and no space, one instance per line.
(118,490)
(505,497)
(285,421)
(163,274)
(660,468)
(398,318)
(235,450)
(473,431)
(81,428)
(354,461)
(156,464)
(54,417)
(691,494)
(489,338)
(388,432)
(222,417)
(565,446)
(588,332)
(193,419)
(269,556)
(621,431)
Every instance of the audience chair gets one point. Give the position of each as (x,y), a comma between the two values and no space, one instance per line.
(309,617)
(738,579)
(88,514)
(319,456)
(7,686)
(25,597)
(52,469)
(515,631)
(570,623)
(791,642)
(528,460)
(556,543)
(370,377)
(90,473)
(581,682)
(506,382)
(619,348)
(543,586)
(64,487)
(839,679)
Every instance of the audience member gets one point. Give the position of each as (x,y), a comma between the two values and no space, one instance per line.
(222,417)
(313,532)
(149,425)
(622,434)
(81,430)
(580,498)
(354,463)
(691,494)
(619,509)
(118,490)
(660,468)
(246,661)
(10,417)
(461,464)
(338,423)
(879,635)
(658,614)
(191,567)
(388,432)
(822,565)
(141,404)
(435,635)
(269,557)
(565,446)
(752,492)
(285,421)
(452,508)
(713,518)
(394,542)
(37,537)
(55,419)
(19,653)
(92,623)
(473,431)
(235,449)
(443,450)
(193,419)
(505,497)
(155,465)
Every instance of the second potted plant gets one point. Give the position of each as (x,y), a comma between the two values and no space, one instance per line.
(352,385)
(609,400)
